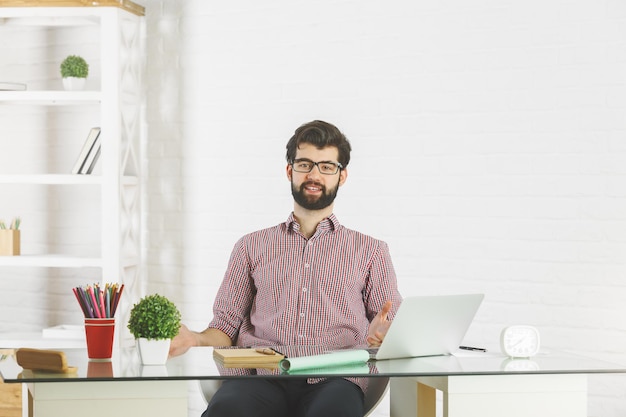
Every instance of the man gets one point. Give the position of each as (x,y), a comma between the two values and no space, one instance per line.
(307,282)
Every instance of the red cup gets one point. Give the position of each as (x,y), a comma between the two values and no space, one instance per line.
(99,334)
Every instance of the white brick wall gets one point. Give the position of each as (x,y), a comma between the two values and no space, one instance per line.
(488,151)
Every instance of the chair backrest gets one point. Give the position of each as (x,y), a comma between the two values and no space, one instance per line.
(376,390)
(208,387)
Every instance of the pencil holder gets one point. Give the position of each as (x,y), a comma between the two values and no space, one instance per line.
(99,335)
(9,242)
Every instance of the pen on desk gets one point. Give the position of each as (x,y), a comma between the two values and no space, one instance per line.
(265,351)
(473,349)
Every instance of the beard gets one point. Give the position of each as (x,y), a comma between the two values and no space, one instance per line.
(312,202)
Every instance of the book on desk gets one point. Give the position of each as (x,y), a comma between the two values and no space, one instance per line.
(248,357)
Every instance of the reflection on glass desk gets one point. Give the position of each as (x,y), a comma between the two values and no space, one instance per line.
(474,384)
(198,363)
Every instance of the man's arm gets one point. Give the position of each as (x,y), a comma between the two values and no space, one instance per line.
(381,286)
(187,339)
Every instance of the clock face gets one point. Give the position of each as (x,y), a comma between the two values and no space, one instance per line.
(520,341)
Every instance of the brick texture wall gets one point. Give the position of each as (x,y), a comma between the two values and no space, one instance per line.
(488,145)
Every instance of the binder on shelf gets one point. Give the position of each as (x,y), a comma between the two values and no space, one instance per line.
(89,153)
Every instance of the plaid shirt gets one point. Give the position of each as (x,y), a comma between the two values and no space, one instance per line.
(281,288)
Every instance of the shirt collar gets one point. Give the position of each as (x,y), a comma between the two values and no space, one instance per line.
(330,223)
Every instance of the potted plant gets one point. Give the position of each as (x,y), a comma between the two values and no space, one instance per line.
(154,321)
(74,70)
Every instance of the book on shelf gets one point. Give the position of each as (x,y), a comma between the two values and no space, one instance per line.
(89,153)
(92,158)
(10,86)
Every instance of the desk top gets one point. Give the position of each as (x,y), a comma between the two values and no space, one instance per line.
(198,363)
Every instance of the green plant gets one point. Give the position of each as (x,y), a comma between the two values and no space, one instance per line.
(154,317)
(74,66)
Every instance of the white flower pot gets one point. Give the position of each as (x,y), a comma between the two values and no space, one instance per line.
(74,83)
(153,352)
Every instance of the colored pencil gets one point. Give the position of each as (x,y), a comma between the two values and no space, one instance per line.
(96,302)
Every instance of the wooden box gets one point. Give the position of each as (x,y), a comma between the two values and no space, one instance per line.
(10,394)
(9,242)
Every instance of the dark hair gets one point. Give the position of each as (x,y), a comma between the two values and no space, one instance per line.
(319,134)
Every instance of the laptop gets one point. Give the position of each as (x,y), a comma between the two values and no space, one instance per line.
(428,326)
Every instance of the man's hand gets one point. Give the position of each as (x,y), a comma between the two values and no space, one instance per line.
(184,340)
(379,326)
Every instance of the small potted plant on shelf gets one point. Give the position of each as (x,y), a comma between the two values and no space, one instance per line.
(154,321)
(74,70)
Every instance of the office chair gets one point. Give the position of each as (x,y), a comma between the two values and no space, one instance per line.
(376,390)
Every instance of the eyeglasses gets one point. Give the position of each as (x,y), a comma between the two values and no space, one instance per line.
(325,167)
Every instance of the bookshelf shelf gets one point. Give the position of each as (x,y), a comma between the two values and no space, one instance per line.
(59,261)
(62,179)
(50,98)
(50,261)
(66,9)
(48,21)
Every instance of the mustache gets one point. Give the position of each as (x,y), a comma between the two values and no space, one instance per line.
(312,183)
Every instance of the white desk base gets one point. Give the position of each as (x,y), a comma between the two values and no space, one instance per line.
(108,399)
(562,395)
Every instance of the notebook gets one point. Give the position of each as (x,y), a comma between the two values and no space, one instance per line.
(428,326)
(248,357)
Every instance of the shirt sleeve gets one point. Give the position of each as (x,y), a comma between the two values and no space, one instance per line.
(235,295)
(382,284)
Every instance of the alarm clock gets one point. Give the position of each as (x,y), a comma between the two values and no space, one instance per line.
(520,365)
(520,341)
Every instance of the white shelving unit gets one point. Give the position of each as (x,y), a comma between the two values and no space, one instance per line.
(115,97)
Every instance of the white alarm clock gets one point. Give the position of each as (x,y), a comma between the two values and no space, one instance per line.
(519,365)
(520,341)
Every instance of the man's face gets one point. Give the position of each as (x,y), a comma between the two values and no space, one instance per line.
(314,190)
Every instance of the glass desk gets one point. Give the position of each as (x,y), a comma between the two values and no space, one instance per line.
(473,383)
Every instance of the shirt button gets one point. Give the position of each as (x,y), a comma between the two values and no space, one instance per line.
(301,314)
(310,243)
(303,289)
(307,265)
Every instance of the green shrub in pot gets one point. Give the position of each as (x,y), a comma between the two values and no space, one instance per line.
(74,66)
(154,317)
